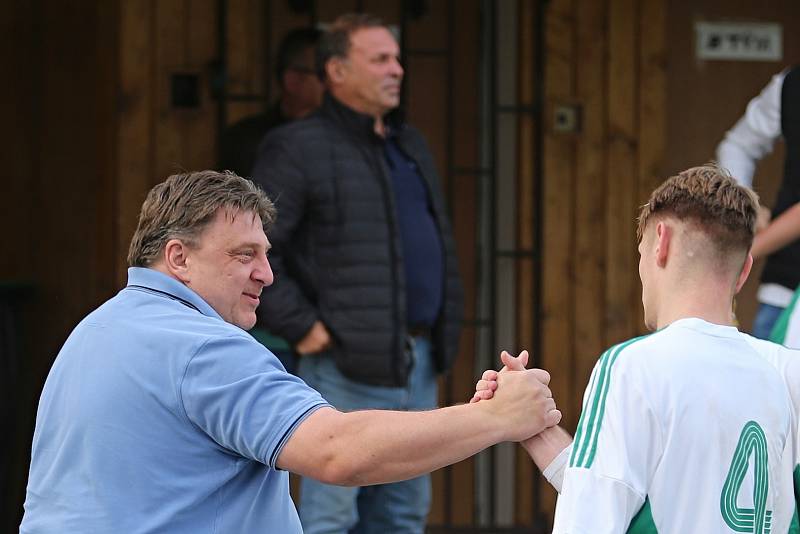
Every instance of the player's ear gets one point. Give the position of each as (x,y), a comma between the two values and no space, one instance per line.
(663,242)
(748,265)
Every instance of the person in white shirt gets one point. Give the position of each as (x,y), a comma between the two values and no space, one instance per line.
(774,113)
(689,429)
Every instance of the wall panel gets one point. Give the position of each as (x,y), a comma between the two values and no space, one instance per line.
(525,494)
(623,145)
(558,192)
(326,11)
(135,164)
(590,259)
(652,116)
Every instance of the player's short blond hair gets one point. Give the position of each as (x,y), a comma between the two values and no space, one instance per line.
(708,198)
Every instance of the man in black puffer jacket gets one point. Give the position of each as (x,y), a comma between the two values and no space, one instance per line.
(366,282)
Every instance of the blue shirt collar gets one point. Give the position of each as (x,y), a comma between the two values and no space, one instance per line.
(170,288)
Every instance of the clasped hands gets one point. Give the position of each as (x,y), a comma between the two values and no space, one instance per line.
(524,390)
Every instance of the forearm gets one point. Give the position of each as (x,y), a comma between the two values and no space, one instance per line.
(371,447)
(546,445)
(777,235)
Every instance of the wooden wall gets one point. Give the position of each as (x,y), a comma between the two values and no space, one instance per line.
(156,139)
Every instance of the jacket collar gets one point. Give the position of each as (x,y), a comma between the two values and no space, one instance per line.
(361,123)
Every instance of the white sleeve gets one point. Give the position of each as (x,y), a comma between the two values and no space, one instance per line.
(617,447)
(554,472)
(754,135)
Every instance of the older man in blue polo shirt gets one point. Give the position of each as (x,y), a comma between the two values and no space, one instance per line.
(161,414)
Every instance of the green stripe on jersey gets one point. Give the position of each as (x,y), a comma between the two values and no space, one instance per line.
(778,332)
(579,432)
(585,446)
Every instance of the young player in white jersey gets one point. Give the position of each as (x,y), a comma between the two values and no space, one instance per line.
(688,429)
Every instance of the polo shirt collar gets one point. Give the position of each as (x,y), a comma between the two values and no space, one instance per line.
(170,288)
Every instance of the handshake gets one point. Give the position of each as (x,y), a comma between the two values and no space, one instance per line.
(518,397)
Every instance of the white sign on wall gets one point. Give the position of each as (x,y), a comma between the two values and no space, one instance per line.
(739,41)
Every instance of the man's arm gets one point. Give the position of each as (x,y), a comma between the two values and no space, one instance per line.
(371,447)
(778,234)
(754,135)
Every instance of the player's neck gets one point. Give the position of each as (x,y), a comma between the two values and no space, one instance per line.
(710,302)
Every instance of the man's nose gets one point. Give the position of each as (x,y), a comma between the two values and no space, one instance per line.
(263,273)
(397,68)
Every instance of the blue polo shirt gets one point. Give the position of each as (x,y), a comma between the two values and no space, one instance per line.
(159,416)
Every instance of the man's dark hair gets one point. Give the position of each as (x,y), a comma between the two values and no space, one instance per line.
(292,48)
(335,41)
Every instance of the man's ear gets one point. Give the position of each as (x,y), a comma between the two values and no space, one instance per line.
(334,69)
(175,259)
(748,265)
(663,242)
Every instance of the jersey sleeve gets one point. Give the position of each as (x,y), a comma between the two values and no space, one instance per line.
(238,393)
(616,449)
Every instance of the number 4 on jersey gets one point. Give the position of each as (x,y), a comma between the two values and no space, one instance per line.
(758,519)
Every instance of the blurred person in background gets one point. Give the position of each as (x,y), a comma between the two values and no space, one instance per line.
(775,112)
(300,94)
(366,289)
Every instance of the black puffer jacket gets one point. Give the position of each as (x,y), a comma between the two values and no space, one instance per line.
(337,254)
(783,266)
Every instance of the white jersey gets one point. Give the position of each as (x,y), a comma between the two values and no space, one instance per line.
(685,430)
